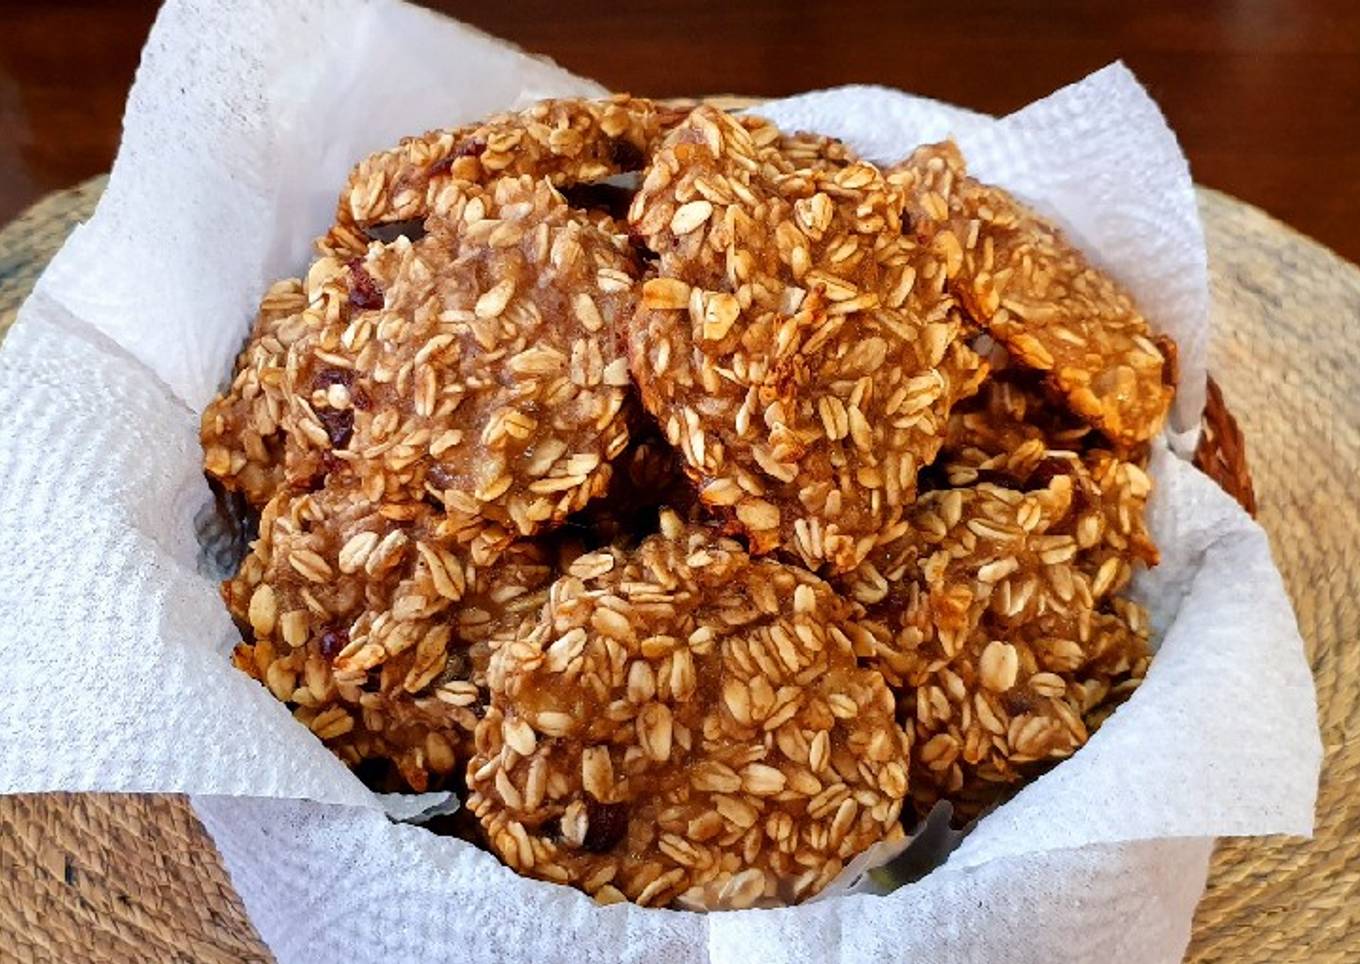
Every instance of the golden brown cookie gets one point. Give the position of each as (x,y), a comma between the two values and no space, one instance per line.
(564,141)
(478,367)
(242,429)
(795,345)
(1013,433)
(687,723)
(1033,290)
(377,630)
(993,615)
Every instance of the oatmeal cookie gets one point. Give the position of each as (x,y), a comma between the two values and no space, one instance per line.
(1032,289)
(797,347)
(478,367)
(375,626)
(994,616)
(242,429)
(688,724)
(567,142)
(1034,692)
(1013,434)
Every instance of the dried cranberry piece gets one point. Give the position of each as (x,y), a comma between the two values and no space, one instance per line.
(339,425)
(360,399)
(606,825)
(333,640)
(1017,702)
(364,292)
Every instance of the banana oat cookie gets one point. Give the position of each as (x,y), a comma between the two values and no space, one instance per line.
(1019,277)
(478,368)
(797,347)
(376,627)
(994,615)
(688,723)
(567,142)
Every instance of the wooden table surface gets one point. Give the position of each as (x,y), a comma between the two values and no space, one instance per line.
(1264,95)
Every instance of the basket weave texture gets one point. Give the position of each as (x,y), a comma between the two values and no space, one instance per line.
(134,878)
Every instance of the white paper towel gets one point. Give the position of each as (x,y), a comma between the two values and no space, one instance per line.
(242,123)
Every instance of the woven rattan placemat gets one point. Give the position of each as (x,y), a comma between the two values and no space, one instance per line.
(129,878)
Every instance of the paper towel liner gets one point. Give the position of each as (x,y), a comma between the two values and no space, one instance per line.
(240,127)
(335,883)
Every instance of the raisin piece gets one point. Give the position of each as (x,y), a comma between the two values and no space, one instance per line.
(339,425)
(332,376)
(364,292)
(472,147)
(606,825)
(333,640)
(1046,471)
(1017,702)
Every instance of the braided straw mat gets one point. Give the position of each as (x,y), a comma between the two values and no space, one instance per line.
(134,878)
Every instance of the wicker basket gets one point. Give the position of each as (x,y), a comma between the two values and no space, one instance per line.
(121,877)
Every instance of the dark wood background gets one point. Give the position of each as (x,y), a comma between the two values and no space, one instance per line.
(1264,94)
